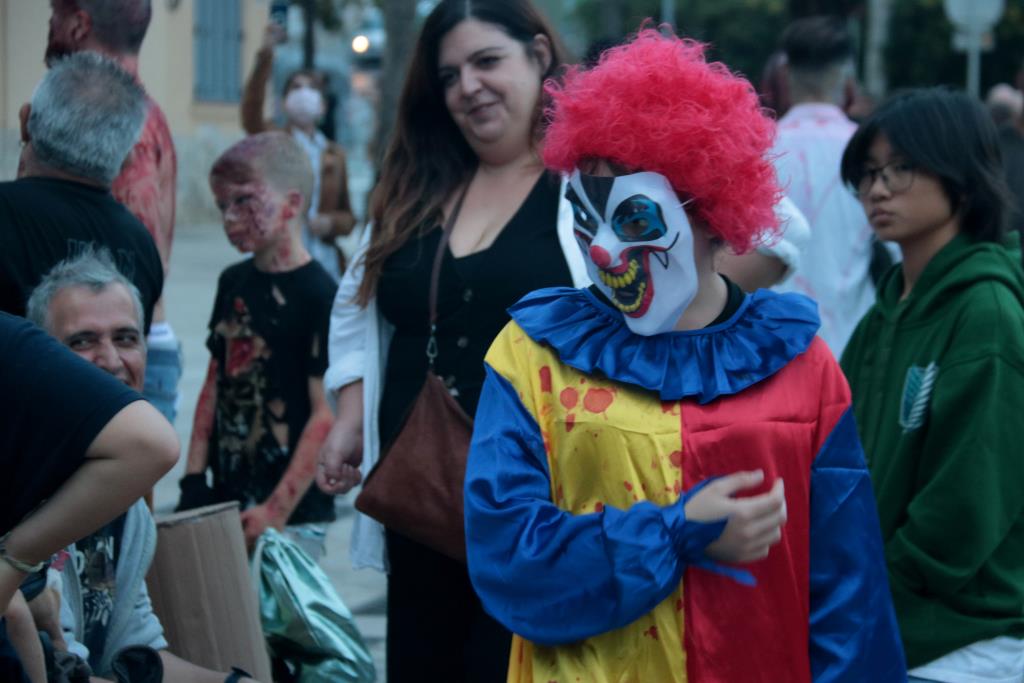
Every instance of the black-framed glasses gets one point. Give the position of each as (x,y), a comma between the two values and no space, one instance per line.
(897,176)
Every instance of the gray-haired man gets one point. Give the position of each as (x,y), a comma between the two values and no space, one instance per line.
(146,184)
(96,312)
(83,120)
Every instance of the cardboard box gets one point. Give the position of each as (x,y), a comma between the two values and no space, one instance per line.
(203,594)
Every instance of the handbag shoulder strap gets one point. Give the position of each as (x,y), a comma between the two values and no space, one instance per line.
(435,273)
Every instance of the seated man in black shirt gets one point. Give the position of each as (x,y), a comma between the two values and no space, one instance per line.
(83,120)
(72,436)
(96,312)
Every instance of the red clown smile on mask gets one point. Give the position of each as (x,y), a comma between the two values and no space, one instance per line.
(638,246)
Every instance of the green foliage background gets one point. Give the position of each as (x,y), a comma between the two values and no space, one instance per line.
(743,33)
(920,47)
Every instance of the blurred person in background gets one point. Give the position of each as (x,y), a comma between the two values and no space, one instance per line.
(304,104)
(1006,107)
(836,266)
(774,86)
(146,183)
(936,369)
(468,126)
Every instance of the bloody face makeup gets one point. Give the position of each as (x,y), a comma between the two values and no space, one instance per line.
(638,246)
(254,213)
(60,40)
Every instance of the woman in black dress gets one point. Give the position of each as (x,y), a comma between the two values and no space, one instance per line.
(468,119)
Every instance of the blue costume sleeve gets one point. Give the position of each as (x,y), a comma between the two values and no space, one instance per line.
(853,631)
(548,575)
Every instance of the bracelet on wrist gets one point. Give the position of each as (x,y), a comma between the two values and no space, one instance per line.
(21,566)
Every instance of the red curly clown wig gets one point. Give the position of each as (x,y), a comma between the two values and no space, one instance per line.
(655,104)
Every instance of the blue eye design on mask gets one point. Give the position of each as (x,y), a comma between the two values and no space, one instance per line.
(639,219)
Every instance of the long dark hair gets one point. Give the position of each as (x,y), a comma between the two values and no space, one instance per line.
(428,157)
(949,135)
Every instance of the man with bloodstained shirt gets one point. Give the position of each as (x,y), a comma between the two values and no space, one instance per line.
(262,414)
(632,438)
(146,183)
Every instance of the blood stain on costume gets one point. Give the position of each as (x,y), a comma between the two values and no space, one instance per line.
(598,400)
(629,487)
(569,398)
(652,632)
(545,379)
(677,487)
(598,506)
(570,422)
(676,458)
(668,407)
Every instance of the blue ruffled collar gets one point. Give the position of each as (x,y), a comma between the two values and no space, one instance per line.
(762,336)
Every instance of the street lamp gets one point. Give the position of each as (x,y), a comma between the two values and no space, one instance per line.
(668,12)
(972,19)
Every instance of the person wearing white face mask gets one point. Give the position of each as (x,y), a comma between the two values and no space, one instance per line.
(633,436)
(304,105)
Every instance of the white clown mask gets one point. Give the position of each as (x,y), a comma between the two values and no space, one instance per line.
(638,246)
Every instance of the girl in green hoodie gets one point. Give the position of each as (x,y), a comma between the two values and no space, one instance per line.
(937,373)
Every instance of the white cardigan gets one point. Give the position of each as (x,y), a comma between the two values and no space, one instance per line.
(358,349)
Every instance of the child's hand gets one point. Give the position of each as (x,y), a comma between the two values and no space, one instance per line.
(755,524)
(340,457)
(255,521)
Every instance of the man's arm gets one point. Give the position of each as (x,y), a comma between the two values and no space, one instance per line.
(341,218)
(130,454)
(301,471)
(147,182)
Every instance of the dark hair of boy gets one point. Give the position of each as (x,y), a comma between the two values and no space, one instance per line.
(816,42)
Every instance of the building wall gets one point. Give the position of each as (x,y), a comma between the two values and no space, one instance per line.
(166,66)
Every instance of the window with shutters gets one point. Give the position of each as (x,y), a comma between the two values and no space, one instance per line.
(218,50)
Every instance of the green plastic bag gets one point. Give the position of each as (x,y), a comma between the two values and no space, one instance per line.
(303,618)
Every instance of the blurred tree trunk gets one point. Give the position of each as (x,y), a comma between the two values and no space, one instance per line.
(612,18)
(876,40)
(308,36)
(400,26)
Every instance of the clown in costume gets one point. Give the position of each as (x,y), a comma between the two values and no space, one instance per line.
(617,423)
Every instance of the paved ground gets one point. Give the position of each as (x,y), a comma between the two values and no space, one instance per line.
(200,253)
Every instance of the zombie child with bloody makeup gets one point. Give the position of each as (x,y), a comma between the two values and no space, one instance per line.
(632,439)
(262,414)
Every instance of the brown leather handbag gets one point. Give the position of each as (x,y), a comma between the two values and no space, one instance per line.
(416,487)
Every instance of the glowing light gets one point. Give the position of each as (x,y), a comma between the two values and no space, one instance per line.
(360,44)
